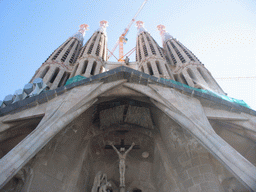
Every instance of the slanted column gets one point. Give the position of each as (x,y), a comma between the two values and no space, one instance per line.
(190,115)
(49,74)
(57,79)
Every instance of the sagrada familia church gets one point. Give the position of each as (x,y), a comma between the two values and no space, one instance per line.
(158,124)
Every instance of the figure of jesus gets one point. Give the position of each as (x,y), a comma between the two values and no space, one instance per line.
(122,155)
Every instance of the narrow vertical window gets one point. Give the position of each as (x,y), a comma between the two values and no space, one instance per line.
(150,69)
(84,66)
(159,68)
(44,72)
(191,74)
(93,67)
(203,75)
(54,75)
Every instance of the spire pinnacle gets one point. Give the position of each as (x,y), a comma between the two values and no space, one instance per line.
(81,32)
(83,29)
(140,27)
(103,26)
(164,34)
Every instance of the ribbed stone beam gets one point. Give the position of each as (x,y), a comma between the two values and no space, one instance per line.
(57,116)
(189,114)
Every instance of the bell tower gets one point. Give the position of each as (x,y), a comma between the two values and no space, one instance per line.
(93,54)
(150,55)
(57,68)
(186,67)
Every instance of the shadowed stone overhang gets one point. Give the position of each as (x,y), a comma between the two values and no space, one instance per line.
(132,76)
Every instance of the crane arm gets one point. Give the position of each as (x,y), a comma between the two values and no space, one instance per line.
(121,38)
(133,19)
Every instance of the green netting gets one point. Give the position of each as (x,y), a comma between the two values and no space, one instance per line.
(75,79)
(230,99)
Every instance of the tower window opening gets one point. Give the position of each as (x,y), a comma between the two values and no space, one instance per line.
(145,50)
(64,78)
(159,68)
(142,39)
(84,66)
(174,61)
(159,49)
(178,53)
(191,74)
(93,68)
(73,58)
(57,54)
(98,47)
(90,49)
(104,52)
(150,69)
(203,75)
(185,51)
(44,72)
(176,77)
(152,49)
(54,75)
(142,69)
(67,52)
(183,79)
(94,39)
(84,47)
(139,54)
(138,48)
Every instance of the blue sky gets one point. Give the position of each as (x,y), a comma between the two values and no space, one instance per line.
(221,33)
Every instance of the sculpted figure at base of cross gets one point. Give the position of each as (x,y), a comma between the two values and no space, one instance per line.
(100,183)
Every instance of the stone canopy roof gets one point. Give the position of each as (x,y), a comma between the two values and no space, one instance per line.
(132,76)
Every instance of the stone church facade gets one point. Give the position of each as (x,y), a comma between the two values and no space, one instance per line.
(165,108)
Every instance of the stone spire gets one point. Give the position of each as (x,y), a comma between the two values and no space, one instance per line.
(57,68)
(140,27)
(81,32)
(150,55)
(185,66)
(164,34)
(93,54)
(103,27)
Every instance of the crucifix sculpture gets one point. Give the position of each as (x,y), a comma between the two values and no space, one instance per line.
(122,156)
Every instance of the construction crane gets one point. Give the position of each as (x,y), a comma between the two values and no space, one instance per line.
(122,39)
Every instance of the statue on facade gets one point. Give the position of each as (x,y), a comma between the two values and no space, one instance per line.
(122,156)
(100,183)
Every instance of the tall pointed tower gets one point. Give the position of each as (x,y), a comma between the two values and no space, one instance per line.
(166,127)
(57,68)
(93,54)
(150,55)
(186,67)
